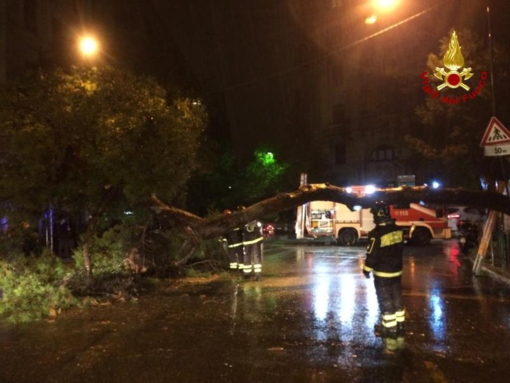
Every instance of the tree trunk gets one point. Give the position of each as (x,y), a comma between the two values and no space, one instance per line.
(87,244)
(91,229)
(188,247)
(218,226)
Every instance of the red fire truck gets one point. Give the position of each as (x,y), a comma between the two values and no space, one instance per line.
(420,224)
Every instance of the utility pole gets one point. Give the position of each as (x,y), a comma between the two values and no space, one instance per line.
(301,211)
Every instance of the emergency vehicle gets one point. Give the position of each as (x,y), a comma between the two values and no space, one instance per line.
(420,224)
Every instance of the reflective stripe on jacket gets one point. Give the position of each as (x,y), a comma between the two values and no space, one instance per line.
(384,251)
(252,234)
(235,238)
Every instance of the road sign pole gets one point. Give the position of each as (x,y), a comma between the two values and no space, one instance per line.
(301,211)
(488,228)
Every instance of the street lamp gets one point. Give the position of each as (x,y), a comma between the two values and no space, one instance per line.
(371,20)
(380,6)
(88,46)
(384,4)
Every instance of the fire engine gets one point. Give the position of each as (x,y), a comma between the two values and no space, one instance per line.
(419,223)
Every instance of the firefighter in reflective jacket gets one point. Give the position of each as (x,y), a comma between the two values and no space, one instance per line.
(252,241)
(235,247)
(384,260)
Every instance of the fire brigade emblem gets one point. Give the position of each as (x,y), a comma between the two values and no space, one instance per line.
(453,60)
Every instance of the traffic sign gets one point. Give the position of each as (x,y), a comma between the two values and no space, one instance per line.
(496,134)
(497,150)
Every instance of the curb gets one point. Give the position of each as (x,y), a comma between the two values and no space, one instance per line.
(497,274)
(494,272)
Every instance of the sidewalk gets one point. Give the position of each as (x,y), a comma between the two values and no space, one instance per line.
(496,272)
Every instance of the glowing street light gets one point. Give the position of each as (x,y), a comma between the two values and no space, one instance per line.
(381,6)
(371,20)
(370,189)
(384,4)
(88,46)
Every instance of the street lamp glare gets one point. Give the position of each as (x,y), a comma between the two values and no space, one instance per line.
(385,4)
(371,20)
(88,46)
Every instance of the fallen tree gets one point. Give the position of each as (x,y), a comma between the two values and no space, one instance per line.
(219,226)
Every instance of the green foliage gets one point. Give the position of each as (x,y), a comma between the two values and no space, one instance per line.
(229,184)
(72,138)
(109,252)
(263,175)
(33,286)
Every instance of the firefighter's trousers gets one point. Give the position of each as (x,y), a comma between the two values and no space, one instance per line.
(235,255)
(253,258)
(389,296)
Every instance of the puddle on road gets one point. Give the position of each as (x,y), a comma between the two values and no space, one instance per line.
(310,319)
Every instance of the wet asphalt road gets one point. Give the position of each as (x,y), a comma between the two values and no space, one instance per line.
(310,319)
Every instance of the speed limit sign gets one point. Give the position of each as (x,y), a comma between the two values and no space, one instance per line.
(496,140)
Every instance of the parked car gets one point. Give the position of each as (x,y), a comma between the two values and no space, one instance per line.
(286,227)
(465,213)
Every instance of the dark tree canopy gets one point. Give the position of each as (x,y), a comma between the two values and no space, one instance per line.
(71,138)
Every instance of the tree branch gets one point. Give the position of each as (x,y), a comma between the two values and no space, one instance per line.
(221,225)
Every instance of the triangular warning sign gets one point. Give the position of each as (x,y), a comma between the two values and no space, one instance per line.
(495,134)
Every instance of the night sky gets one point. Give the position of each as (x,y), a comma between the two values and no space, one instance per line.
(258,63)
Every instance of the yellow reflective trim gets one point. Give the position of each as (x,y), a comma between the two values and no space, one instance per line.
(366,268)
(387,275)
(389,324)
(388,317)
(401,312)
(254,241)
(392,238)
(235,245)
(371,246)
(247,270)
(241,266)
(401,319)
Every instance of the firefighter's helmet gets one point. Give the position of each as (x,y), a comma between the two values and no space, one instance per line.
(381,212)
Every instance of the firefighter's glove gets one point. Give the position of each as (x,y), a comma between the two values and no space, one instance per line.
(366,274)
